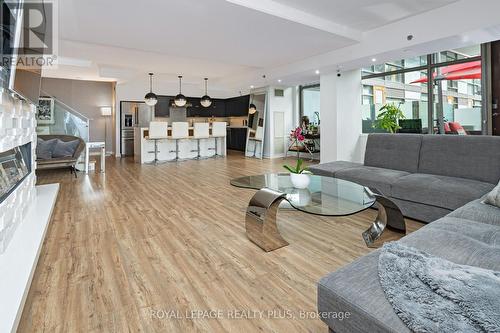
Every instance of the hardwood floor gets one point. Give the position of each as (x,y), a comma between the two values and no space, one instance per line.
(130,250)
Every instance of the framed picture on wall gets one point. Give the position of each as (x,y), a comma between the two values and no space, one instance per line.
(45,111)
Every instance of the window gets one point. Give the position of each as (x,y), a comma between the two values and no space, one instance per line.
(456,89)
(410,97)
(310,102)
(367,95)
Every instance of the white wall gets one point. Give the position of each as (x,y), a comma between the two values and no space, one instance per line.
(341,117)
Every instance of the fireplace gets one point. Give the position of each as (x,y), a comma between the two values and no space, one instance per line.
(17,182)
(15,166)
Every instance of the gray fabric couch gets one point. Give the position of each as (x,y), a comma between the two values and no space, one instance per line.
(428,176)
(61,162)
(468,234)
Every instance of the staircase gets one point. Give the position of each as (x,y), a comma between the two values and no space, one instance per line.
(66,121)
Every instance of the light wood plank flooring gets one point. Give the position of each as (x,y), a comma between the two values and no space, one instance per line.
(127,250)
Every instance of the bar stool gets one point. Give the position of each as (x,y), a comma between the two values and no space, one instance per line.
(259,134)
(157,131)
(201,131)
(218,131)
(180,130)
(257,139)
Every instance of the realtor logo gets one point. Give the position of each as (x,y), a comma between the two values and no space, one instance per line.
(28,31)
(37,32)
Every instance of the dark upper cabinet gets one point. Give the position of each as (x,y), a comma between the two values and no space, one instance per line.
(217,109)
(231,107)
(162,108)
(237,106)
(195,110)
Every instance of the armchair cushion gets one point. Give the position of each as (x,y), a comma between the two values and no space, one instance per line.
(45,148)
(65,148)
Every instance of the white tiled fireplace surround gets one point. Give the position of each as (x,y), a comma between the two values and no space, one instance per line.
(24,214)
(17,127)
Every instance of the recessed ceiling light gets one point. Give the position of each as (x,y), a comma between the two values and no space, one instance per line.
(317,71)
(279,80)
(374,59)
(251,87)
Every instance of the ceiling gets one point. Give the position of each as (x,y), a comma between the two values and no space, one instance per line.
(232,42)
(365,14)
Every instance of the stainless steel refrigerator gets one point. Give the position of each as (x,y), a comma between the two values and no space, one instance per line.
(133,114)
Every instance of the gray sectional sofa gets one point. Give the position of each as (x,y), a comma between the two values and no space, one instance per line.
(427,176)
(430,177)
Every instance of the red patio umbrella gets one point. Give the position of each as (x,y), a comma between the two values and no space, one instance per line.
(468,70)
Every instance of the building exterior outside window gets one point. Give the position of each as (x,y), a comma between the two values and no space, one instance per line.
(456,89)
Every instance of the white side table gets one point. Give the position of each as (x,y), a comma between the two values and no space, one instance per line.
(95,145)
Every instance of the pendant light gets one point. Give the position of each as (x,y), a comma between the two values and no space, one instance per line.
(206,101)
(180,99)
(151,99)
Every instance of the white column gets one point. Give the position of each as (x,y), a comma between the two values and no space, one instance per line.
(341,124)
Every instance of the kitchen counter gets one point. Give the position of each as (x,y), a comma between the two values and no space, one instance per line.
(144,148)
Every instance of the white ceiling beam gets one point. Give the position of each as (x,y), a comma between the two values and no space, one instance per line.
(274,8)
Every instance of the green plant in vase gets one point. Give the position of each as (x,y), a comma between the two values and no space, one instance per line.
(388,119)
(300,176)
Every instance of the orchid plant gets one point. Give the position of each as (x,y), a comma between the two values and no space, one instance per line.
(297,134)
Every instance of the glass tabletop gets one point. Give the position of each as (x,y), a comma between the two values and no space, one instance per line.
(324,196)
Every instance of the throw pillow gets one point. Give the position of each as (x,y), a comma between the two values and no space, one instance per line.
(493,198)
(65,149)
(456,127)
(45,148)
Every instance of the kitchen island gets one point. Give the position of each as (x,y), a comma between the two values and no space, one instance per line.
(144,148)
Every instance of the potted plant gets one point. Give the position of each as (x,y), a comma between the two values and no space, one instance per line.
(299,176)
(388,118)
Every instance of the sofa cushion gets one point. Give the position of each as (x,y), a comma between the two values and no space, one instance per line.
(493,198)
(45,148)
(329,169)
(439,191)
(472,157)
(419,211)
(478,211)
(356,287)
(65,148)
(459,240)
(393,151)
(58,160)
(375,178)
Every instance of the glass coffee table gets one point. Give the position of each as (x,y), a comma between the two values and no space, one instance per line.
(325,196)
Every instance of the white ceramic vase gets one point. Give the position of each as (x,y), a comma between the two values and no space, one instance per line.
(300,180)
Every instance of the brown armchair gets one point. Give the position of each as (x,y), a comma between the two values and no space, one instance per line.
(61,162)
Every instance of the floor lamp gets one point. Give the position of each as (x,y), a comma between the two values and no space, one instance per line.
(106,111)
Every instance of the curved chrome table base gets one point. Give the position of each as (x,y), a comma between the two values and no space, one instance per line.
(261,227)
(260,220)
(390,217)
